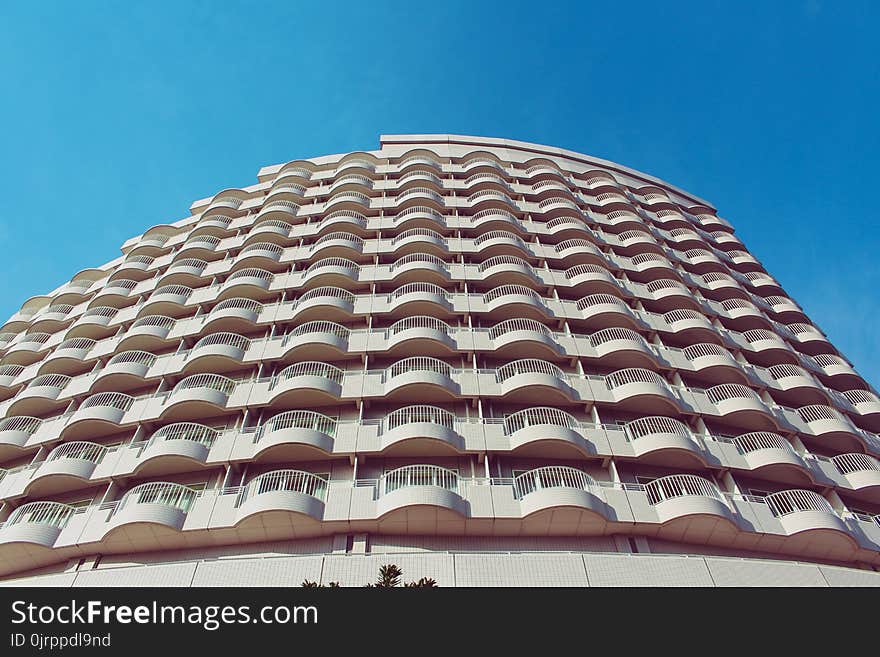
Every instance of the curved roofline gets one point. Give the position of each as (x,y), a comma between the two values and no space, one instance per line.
(470,140)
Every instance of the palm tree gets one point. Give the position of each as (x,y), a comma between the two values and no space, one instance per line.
(389,577)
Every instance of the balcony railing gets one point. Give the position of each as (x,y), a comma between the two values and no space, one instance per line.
(681,485)
(176,496)
(553,476)
(419,413)
(540,415)
(295,481)
(418,475)
(787,502)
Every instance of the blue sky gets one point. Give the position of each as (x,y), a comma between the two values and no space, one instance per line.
(117,117)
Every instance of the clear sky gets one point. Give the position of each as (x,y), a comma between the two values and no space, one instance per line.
(115,117)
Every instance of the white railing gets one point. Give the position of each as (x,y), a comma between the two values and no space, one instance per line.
(558,200)
(241,303)
(291,188)
(215,218)
(800,329)
(299,420)
(419,191)
(418,209)
(738,304)
(311,368)
(648,426)
(34,338)
(500,235)
(725,391)
(631,235)
(119,286)
(634,375)
(785,370)
(418,475)
(419,322)
(274,225)
(830,360)
(419,233)
(318,326)
(856,397)
(49,381)
(759,440)
(201,242)
(165,493)
(485,177)
(644,258)
(79,450)
(420,257)
(611,334)
(294,171)
(505,260)
(76,343)
(231,201)
(11,370)
(417,364)
(117,400)
(340,235)
(418,288)
(160,321)
(578,270)
(518,324)
(294,481)
(539,415)
(209,381)
(787,502)
(137,260)
(601,299)
(233,340)
(418,159)
(187,263)
(490,194)
(350,216)
(819,412)
(251,272)
(191,431)
(172,290)
(567,220)
(23,423)
(419,413)
(681,485)
(758,335)
(704,349)
(58,308)
(528,366)
(267,247)
(683,314)
(54,514)
(288,207)
(856,462)
(552,476)
(506,290)
(418,174)
(327,292)
(579,244)
(342,263)
(666,284)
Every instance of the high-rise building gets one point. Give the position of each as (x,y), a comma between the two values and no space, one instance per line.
(487,361)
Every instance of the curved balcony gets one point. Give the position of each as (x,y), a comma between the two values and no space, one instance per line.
(167,300)
(331,271)
(51,318)
(496,219)
(651,266)
(421,378)
(690,325)
(588,278)
(552,188)
(867,405)
(490,197)
(610,201)
(348,220)
(656,198)
(227,203)
(602,310)
(768,346)
(37,523)
(68,357)
(420,334)
(176,447)
(316,340)
(148,511)
(148,332)
(235,314)
(669,294)
(722,283)
(198,247)
(546,432)
(621,347)
(531,378)
(507,268)
(217,352)
(701,261)
(40,396)
(669,219)
(426,159)
(691,498)
(483,160)
(282,500)
(8,375)
(418,239)
(631,242)
(500,242)
(715,363)
(74,291)
(338,244)
(307,383)
(116,293)
(619,220)
(861,472)
(832,427)
(742,315)
(28,349)
(150,245)
(423,494)
(786,309)
(420,177)
(67,465)
(279,210)
(809,338)
(276,231)
(328,302)
(422,267)
(642,390)
(771,455)
(364,162)
(420,430)
(292,191)
(797,384)
(543,168)
(348,199)
(198,395)
(94,323)
(98,415)
(127,369)
(15,431)
(744,261)
(555,206)
(418,216)
(216,224)
(247,282)
(296,435)
(523,337)
(685,238)
(579,251)
(187,271)
(419,299)
(260,255)
(561,500)
(739,403)
(664,441)
(516,300)
(563,224)
(838,370)
(803,511)
(293,172)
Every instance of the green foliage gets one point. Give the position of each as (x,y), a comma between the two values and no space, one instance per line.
(389,577)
